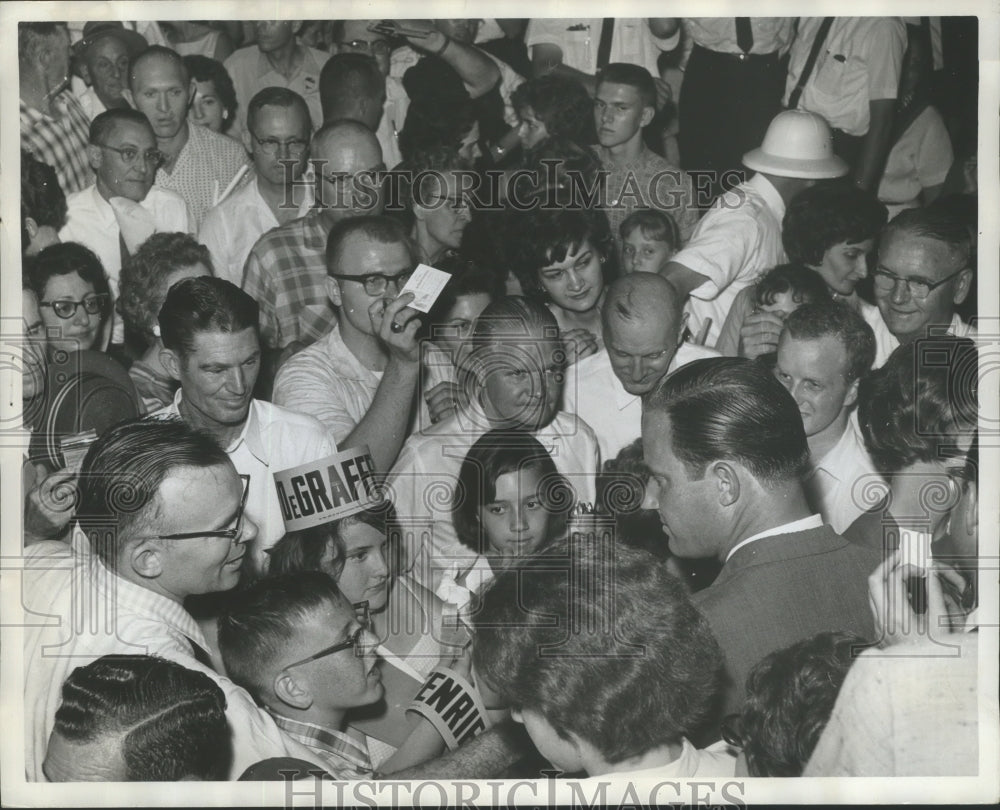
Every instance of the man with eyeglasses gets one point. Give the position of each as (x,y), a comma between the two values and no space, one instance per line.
(160,517)
(211,341)
(286,270)
(360,379)
(278,134)
(922,274)
(277,59)
(104,54)
(197,163)
(123,207)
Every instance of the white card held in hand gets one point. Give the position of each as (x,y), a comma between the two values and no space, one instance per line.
(426,284)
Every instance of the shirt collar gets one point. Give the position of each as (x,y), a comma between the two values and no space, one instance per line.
(249,434)
(326,739)
(765,188)
(838,458)
(800,525)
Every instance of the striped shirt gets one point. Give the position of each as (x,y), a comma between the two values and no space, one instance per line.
(60,141)
(343,755)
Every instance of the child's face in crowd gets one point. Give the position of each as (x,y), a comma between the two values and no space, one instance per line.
(531,130)
(845,264)
(575,283)
(782,306)
(365,575)
(642,254)
(516,521)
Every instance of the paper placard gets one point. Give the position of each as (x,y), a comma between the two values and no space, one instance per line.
(426,284)
(327,489)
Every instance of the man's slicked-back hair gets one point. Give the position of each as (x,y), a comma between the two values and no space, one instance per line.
(632,75)
(171,720)
(732,409)
(278,97)
(259,622)
(123,471)
(205,304)
(376,228)
(937,222)
(920,402)
(152,52)
(606,646)
(103,124)
(827,214)
(836,319)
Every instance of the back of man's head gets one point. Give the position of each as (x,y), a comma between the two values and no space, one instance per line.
(838,320)
(632,665)
(154,719)
(728,408)
(351,86)
(259,623)
(204,304)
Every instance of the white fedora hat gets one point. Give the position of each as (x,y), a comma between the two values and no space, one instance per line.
(797,144)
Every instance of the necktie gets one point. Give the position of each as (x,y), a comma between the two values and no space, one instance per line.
(824,29)
(604,46)
(744,34)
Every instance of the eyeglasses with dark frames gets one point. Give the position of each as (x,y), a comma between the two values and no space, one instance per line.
(230,534)
(130,154)
(919,288)
(354,639)
(376,283)
(376,173)
(92,305)
(269,146)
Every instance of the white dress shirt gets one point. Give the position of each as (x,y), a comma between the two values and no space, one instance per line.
(886,342)
(800,525)
(272,439)
(737,240)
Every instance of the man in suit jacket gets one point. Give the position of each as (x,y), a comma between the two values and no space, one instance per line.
(726,449)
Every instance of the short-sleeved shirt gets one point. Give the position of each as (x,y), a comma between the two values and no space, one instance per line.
(649,182)
(252,72)
(921,158)
(286,275)
(737,239)
(859,62)
(232,228)
(204,169)
(60,141)
(770,34)
(579,39)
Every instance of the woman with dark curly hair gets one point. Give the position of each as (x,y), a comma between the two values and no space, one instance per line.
(161,261)
(214,104)
(553,106)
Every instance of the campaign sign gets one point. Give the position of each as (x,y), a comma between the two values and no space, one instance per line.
(327,489)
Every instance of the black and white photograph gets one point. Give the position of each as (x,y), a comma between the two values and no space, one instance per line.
(499,411)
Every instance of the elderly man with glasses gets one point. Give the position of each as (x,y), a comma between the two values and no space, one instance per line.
(277,138)
(123,207)
(360,379)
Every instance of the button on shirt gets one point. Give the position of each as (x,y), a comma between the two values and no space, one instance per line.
(116,617)
(272,439)
(286,274)
(232,228)
(597,396)
(859,62)
(204,168)
(251,72)
(837,483)
(770,34)
(60,141)
(737,240)
(327,381)
(422,481)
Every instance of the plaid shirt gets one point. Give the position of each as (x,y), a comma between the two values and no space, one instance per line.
(204,168)
(61,142)
(344,756)
(286,274)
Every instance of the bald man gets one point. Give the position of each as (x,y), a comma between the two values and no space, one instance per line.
(286,270)
(641,346)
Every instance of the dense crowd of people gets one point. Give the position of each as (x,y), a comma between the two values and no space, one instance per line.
(695,400)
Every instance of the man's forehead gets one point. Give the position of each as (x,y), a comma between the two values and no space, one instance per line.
(822,355)
(211,344)
(279,116)
(160,70)
(105,46)
(919,254)
(128,132)
(642,334)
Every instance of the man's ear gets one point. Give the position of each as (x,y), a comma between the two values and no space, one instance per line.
(171,362)
(727,482)
(32,228)
(146,559)
(648,113)
(333,290)
(95,156)
(852,394)
(290,692)
(963,286)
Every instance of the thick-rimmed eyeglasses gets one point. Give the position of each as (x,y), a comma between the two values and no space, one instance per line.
(376,283)
(92,305)
(378,47)
(229,534)
(919,288)
(270,147)
(130,154)
(355,639)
